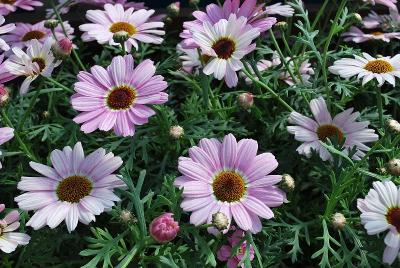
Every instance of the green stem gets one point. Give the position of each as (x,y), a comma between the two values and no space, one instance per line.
(123,49)
(58,84)
(29,110)
(380,106)
(17,137)
(262,84)
(319,14)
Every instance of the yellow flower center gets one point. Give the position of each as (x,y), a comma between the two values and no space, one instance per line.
(224,48)
(123,26)
(393,217)
(121,98)
(229,186)
(33,35)
(376,33)
(379,66)
(329,131)
(73,189)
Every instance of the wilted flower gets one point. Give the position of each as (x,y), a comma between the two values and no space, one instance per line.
(246,100)
(164,228)
(288,182)
(176,132)
(127,217)
(338,220)
(394,167)
(394,125)
(220,221)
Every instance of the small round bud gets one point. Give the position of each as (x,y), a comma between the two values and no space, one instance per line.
(62,49)
(246,100)
(288,182)
(121,37)
(51,23)
(173,9)
(357,17)
(281,25)
(394,167)
(4,95)
(127,217)
(338,220)
(220,221)
(194,3)
(394,125)
(382,170)
(176,132)
(46,114)
(164,228)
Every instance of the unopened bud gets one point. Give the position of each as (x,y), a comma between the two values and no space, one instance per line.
(121,37)
(382,170)
(394,125)
(281,25)
(176,132)
(51,24)
(46,114)
(220,221)
(4,95)
(288,182)
(245,100)
(127,217)
(173,9)
(338,220)
(357,17)
(394,167)
(62,49)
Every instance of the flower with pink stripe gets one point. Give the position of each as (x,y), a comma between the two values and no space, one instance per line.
(9,240)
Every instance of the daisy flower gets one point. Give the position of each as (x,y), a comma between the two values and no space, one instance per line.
(6,134)
(9,240)
(38,60)
(25,32)
(343,127)
(229,177)
(279,9)
(254,13)
(76,188)
(5,75)
(305,71)
(380,212)
(357,36)
(367,67)
(8,6)
(114,19)
(118,97)
(226,43)
(190,58)
(5,29)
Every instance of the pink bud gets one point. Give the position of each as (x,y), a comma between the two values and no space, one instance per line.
(246,100)
(4,95)
(163,228)
(62,48)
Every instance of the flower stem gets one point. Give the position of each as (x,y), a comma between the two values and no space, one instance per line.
(380,106)
(29,110)
(319,14)
(58,84)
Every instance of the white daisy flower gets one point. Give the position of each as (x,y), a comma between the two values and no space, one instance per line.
(380,211)
(367,67)
(38,60)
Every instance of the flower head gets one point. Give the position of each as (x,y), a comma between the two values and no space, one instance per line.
(6,134)
(367,67)
(229,177)
(5,29)
(357,36)
(226,43)
(4,95)
(114,18)
(5,75)
(220,221)
(380,212)
(117,97)
(342,127)
(38,60)
(76,188)
(164,228)
(8,6)
(9,240)
(225,252)
(176,132)
(394,167)
(338,220)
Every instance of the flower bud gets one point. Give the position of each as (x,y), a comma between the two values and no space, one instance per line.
(382,170)
(288,182)
(46,114)
(4,95)
(173,9)
(357,17)
(220,221)
(51,23)
(281,25)
(62,49)
(394,167)
(245,100)
(126,216)
(176,132)
(338,220)
(121,37)
(394,125)
(163,228)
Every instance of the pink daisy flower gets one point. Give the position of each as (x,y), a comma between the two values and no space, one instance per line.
(357,36)
(254,13)
(226,43)
(279,9)
(225,252)
(117,97)
(229,177)
(8,6)
(305,71)
(6,134)
(380,212)
(115,19)
(76,188)
(5,75)
(9,240)
(25,32)
(343,127)
(5,29)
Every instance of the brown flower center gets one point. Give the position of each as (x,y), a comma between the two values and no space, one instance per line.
(121,98)
(224,48)
(33,35)
(9,2)
(329,131)
(376,33)
(393,217)
(41,62)
(379,66)
(74,188)
(123,26)
(229,186)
